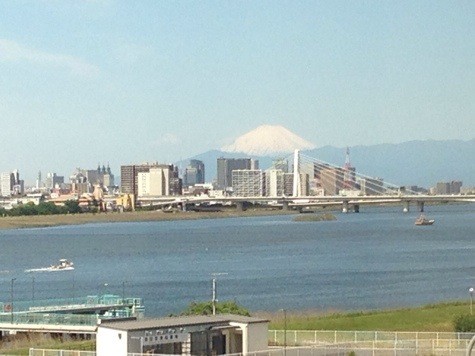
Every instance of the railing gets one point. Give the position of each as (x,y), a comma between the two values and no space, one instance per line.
(49,319)
(336,343)
(318,337)
(357,350)
(69,303)
(44,352)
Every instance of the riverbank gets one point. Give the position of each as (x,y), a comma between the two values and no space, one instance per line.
(428,318)
(434,317)
(35,221)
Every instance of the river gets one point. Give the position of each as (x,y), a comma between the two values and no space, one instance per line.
(371,260)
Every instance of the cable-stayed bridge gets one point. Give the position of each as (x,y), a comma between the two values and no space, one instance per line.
(310,182)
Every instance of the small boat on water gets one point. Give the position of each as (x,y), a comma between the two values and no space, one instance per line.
(422,220)
(63,265)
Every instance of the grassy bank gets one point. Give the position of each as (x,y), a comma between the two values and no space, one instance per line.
(16,222)
(438,317)
(21,344)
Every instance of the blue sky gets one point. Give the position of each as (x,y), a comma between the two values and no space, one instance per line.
(83,82)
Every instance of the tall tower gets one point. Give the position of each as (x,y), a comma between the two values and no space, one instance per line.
(296,191)
(349,175)
(38,181)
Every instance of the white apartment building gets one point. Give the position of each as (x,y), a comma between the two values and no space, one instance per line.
(6,184)
(275,186)
(156,182)
(248,183)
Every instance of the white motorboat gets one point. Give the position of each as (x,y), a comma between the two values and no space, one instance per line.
(63,265)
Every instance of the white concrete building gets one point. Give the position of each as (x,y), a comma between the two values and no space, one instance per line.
(275,183)
(248,183)
(188,335)
(155,182)
(6,184)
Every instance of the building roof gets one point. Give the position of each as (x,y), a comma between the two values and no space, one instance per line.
(144,324)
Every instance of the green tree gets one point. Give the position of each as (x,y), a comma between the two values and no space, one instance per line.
(72,206)
(48,209)
(464,323)
(206,308)
(24,209)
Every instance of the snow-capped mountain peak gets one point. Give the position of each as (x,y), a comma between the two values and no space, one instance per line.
(268,140)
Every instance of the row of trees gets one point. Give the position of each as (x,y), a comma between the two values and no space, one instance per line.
(69,207)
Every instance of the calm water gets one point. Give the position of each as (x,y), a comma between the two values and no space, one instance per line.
(375,259)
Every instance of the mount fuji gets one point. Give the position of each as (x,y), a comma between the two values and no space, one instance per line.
(420,162)
(268,140)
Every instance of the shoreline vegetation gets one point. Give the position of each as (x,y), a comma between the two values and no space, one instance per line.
(438,317)
(428,318)
(38,221)
(50,220)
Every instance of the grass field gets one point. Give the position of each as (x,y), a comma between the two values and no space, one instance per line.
(438,317)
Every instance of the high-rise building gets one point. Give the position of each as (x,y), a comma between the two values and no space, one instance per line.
(11,184)
(282,164)
(331,179)
(227,165)
(39,183)
(455,187)
(442,188)
(6,184)
(446,188)
(155,180)
(52,179)
(275,183)
(288,184)
(248,183)
(18,185)
(194,173)
(371,186)
(288,179)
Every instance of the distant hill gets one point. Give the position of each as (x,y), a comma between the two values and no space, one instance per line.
(422,163)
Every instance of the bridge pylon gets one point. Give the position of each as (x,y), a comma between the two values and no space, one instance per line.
(297,188)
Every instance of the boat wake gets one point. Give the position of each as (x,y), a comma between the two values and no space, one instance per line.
(48,269)
(64,265)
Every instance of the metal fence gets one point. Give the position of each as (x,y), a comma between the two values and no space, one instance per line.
(49,319)
(44,352)
(323,337)
(65,303)
(341,343)
(356,350)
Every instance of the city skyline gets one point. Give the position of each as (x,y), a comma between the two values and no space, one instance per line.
(88,81)
(435,158)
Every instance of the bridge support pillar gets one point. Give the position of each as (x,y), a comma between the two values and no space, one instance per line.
(345,206)
(240,206)
(285,205)
(420,206)
(405,209)
(356,208)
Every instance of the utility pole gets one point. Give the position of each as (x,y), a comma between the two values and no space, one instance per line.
(11,299)
(214,299)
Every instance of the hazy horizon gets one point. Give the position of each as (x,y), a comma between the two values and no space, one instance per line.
(109,81)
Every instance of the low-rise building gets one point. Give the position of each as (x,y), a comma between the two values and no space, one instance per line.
(186,335)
